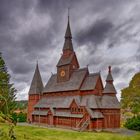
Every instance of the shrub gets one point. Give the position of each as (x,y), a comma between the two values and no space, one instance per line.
(133,123)
(21,117)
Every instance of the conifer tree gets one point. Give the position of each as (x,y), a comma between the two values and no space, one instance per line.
(7,90)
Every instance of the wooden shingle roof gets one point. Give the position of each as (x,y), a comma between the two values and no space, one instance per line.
(65,61)
(94,114)
(56,102)
(39,112)
(74,83)
(36,84)
(67,114)
(91,101)
(109,88)
(110,102)
(90,81)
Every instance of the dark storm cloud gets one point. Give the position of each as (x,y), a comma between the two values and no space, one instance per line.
(96,33)
(34,29)
(36,41)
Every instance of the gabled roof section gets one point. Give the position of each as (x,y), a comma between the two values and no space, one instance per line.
(74,83)
(68,114)
(109,88)
(36,84)
(92,101)
(40,112)
(110,102)
(66,60)
(90,82)
(57,102)
(94,114)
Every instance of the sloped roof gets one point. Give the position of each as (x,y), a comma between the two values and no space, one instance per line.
(110,102)
(37,112)
(90,101)
(65,60)
(36,84)
(57,102)
(109,77)
(74,83)
(109,88)
(90,81)
(94,114)
(67,114)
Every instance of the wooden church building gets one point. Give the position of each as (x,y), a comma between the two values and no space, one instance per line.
(73,97)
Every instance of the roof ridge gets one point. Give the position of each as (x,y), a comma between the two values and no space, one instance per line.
(92,74)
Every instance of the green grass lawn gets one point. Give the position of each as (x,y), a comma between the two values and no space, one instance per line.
(38,133)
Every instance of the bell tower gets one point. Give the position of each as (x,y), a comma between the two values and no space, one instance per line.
(68,61)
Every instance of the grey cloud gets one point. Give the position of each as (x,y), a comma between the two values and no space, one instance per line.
(95,34)
(21,54)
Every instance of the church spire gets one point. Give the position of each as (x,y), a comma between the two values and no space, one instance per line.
(68,30)
(36,84)
(68,37)
(109,87)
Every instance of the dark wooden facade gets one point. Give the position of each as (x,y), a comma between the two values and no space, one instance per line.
(73,97)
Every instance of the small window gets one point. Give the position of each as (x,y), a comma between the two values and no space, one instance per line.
(79,110)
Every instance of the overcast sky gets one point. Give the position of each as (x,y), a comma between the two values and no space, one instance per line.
(105,32)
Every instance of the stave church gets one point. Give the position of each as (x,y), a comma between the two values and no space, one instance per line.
(73,98)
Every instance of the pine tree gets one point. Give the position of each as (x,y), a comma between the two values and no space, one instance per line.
(131,95)
(7,90)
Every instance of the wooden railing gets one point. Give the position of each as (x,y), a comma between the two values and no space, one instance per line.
(83,123)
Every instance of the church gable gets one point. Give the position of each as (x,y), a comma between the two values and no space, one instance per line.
(99,86)
(90,82)
(74,83)
(74,63)
(74,104)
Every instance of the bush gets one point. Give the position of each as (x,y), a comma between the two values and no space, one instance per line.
(133,123)
(20,117)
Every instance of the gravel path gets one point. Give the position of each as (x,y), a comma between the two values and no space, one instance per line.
(122,131)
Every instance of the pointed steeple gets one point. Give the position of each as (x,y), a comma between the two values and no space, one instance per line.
(36,84)
(109,76)
(68,31)
(68,38)
(109,87)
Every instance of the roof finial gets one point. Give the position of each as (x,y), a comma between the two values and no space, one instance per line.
(68,13)
(109,69)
